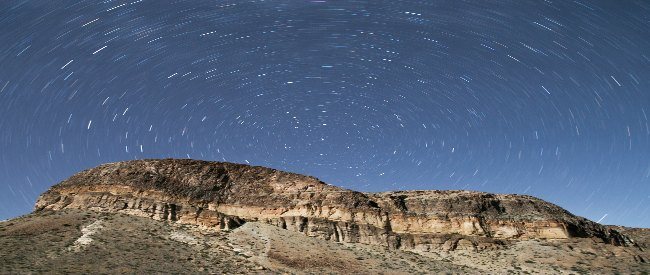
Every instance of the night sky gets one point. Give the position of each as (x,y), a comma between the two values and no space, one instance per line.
(545,98)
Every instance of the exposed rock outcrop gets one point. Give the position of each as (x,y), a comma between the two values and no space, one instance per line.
(226,195)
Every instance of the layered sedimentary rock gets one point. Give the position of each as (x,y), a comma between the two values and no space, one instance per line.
(226,195)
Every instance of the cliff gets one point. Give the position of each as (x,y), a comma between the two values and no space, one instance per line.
(227,195)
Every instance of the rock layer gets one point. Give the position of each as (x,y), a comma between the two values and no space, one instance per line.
(226,195)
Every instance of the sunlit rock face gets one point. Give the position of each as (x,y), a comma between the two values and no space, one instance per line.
(227,195)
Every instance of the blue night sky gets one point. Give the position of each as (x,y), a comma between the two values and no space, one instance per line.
(545,98)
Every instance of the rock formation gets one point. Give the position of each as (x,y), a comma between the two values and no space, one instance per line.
(227,195)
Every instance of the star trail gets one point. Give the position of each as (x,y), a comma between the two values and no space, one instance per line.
(545,98)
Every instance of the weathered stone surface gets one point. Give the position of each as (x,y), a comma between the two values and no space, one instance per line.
(226,195)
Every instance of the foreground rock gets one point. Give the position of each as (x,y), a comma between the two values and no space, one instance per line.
(226,195)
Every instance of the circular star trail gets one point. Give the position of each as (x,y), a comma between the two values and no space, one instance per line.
(546,98)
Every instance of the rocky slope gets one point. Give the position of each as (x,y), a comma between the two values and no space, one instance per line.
(81,241)
(226,195)
(73,241)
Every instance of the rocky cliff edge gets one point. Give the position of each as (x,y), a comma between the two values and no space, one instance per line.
(227,195)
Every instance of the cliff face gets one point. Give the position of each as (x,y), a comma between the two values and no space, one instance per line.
(226,195)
